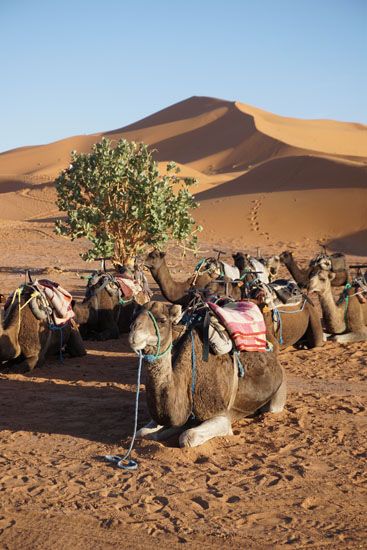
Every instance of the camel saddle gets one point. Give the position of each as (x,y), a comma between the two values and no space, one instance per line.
(50,301)
(278,293)
(360,286)
(245,324)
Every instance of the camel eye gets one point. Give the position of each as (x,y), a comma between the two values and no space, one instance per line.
(162,319)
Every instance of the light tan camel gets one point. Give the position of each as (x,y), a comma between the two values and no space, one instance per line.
(302,275)
(346,320)
(176,387)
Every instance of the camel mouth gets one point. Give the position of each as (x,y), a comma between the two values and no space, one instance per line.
(137,345)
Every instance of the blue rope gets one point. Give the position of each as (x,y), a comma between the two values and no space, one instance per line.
(241,369)
(125,463)
(277,313)
(198,266)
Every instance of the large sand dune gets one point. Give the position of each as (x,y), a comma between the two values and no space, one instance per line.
(275,177)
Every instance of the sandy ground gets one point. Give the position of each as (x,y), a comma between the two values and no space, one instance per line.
(296,478)
(292,479)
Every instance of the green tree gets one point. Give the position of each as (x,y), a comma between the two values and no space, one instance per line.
(116,198)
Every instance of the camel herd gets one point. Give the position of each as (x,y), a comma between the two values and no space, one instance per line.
(193,389)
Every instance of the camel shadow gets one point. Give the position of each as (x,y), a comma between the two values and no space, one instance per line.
(104,414)
(104,363)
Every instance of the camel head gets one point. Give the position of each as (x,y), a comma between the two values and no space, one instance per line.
(320,282)
(242,261)
(143,333)
(286,257)
(154,259)
(239,260)
(272,264)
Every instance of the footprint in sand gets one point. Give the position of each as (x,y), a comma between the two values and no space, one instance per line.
(253,217)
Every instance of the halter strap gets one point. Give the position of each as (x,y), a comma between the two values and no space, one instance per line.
(153,357)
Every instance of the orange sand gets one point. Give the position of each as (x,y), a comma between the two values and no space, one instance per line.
(290,479)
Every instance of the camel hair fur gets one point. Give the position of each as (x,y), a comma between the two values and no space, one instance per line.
(219,397)
(299,323)
(23,336)
(346,320)
(177,292)
(100,315)
(302,275)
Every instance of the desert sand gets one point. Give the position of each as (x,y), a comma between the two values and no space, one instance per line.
(296,478)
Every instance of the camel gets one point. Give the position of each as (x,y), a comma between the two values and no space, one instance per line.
(212,391)
(345,320)
(101,315)
(177,292)
(302,275)
(272,265)
(23,335)
(298,323)
(251,268)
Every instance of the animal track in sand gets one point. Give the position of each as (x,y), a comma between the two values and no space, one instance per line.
(254,215)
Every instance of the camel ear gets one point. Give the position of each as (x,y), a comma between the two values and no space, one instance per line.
(331,275)
(175,313)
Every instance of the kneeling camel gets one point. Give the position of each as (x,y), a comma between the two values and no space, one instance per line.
(212,391)
(24,336)
(346,320)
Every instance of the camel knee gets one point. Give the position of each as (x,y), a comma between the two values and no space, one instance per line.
(215,427)
(277,402)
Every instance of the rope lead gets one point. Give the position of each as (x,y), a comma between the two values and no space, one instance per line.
(126,463)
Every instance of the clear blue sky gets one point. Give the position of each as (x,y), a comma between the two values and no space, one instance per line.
(76,66)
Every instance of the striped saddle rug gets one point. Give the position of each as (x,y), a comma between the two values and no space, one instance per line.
(245,324)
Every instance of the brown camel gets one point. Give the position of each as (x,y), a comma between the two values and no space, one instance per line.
(291,324)
(23,335)
(347,319)
(251,268)
(212,390)
(102,315)
(177,292)
(302,275)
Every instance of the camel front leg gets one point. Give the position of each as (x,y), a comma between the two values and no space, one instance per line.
(350,337)
(155,431)
(217,426)
(315,335)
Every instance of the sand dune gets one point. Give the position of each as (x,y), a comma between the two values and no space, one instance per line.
(238,153)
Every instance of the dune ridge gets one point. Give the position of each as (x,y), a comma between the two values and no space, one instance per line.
(235,150)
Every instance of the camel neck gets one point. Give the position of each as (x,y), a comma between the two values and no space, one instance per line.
(172,290)
(167,392)
(295,271)
(333,314)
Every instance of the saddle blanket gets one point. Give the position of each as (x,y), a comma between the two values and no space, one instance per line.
(132,289)
(59,300)
(129,287)
(260,269)
(230,271)
(245,323)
